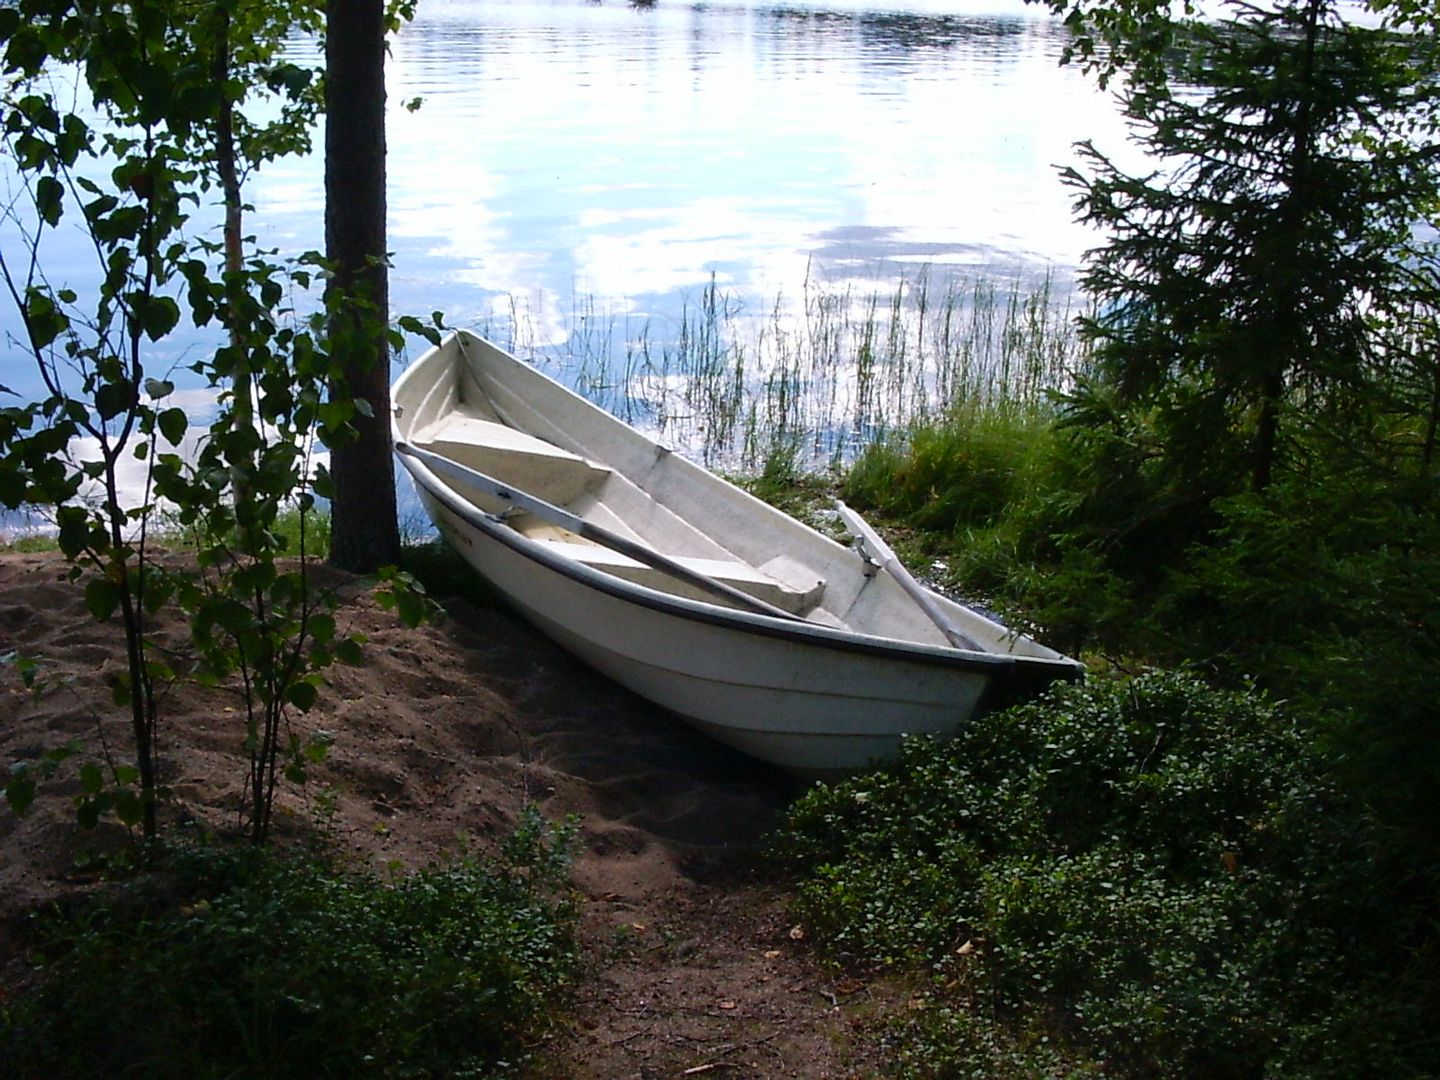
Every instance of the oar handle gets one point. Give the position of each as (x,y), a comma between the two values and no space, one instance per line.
(880,552)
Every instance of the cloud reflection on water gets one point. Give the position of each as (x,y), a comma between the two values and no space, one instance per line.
(577,162)
(571,149)
(571,154)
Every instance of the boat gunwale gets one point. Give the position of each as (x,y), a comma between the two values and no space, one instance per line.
(817,635)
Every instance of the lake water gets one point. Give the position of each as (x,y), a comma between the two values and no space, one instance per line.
(574,161)
(571,150)
(617,158)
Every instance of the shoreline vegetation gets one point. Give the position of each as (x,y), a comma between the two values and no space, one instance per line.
(1260,693)
(783,390)
(970,465)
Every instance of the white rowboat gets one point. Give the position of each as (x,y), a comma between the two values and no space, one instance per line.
(753,627)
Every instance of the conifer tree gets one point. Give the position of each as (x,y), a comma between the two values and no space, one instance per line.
(1241,290)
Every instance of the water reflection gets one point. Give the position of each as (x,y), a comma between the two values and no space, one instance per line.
(620,157)
(567,149)
(902,34)
(590,178)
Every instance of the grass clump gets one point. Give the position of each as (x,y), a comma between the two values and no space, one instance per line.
(249,964)
(28,543)
(307,531)
(1163,873)
(968,469)
(980,495)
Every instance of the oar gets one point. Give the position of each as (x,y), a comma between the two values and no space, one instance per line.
(598,534)
(879,553)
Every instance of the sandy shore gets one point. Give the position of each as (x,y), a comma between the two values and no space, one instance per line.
(443,737)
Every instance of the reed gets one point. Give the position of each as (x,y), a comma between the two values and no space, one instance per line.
(811,379)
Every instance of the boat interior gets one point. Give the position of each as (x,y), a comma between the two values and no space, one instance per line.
(473,435)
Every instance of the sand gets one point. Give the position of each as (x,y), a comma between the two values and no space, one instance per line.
(442,738)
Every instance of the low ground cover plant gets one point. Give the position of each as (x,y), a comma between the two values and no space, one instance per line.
(241,962)
(1145,877)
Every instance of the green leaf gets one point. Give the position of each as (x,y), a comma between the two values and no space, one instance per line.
(157,591)
(173,423)
(234,616)
(55,755)
(92,778)
(302,695)
(125,223)
(159,388)
(20,791)
(88,811)
(101,597)
(412,608)
(318,747)
(322,628)
(43,320)
(255,578)
(30,152)
(348,651)
(73,530)
(129,808)
(158,316)
(13,487)
(114,398)
(49,199)
(99,206)
(324,485)
(14,656)
(291,78)
(73,138)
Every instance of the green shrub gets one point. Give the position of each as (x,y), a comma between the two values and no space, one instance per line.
(249,965)
(1164,866)
(1327,592)
(942,1041)
(1061,530)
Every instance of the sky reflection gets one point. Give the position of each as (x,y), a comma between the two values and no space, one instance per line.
(577,164)
(629,156)
(571,155)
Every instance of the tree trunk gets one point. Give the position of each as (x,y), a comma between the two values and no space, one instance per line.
(1267,431)
(226,164)
(364,529)
(1432,424)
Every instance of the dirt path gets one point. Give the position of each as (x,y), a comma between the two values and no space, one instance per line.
(708,983)
(444,737)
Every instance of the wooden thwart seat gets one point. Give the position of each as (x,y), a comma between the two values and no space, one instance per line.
(558,477)
(512,456)
(736,574)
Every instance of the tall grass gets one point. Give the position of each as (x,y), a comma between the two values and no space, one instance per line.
(816,377)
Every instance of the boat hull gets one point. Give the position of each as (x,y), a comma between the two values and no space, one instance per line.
(831,685)
(807,706)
